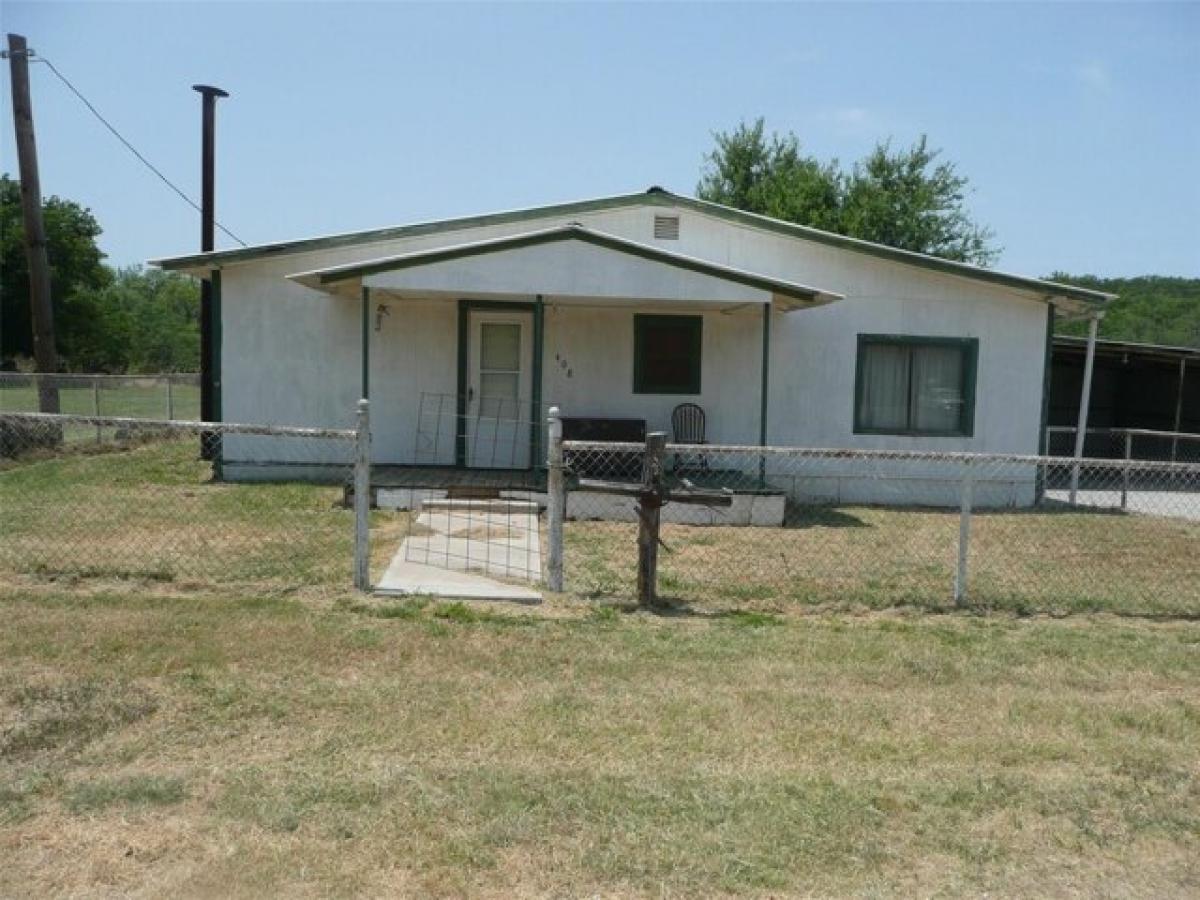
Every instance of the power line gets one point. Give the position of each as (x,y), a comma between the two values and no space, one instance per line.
(132,149)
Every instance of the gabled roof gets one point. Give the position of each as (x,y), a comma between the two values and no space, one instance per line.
(655,196)
(798,294)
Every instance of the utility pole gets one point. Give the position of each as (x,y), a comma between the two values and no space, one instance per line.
(208,326)
(42,312)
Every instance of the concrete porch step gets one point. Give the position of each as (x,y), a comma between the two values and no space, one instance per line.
(498,506)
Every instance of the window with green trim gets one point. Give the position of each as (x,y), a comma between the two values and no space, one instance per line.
(913,385)
(666,354)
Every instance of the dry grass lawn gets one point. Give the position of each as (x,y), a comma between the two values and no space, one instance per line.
(153,511)
(190,744)
(870,557)
(233,723)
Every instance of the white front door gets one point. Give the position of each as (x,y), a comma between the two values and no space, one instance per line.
(499,377)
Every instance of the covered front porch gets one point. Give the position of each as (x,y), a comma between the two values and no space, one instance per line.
(613,332)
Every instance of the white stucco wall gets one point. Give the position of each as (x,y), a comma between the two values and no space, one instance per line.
(290,354)
(595,345)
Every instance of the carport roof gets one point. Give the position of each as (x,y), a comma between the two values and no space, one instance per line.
(1106,347)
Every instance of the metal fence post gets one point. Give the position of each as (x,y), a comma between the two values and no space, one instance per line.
(964,533)
(556,501)
(96,404)
(362,497)
(170,400)
(1074,491)
(1125,470)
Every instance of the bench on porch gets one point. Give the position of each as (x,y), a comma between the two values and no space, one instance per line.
(609,465)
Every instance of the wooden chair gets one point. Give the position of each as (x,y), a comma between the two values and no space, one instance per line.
(687,426)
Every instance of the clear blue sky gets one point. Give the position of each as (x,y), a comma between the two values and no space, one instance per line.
(1079,125)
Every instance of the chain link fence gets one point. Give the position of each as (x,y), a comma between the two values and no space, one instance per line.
(182,502)
(165,396)
(742,527)
(1125,443)
(817,527)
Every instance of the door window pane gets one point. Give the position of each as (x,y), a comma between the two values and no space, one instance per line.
(500,346)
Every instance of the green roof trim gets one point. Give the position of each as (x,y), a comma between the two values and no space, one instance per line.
(653,197)
(349,239)
(894,254)
(335,274)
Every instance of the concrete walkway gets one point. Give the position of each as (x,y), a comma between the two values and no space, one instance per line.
(1171,504)
(461,548)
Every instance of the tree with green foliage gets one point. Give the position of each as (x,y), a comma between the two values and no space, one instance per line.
(772,178)
(907,199)
(151,323)
(77,273)
(127,320)
(903,198)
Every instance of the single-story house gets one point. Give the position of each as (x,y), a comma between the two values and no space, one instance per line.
(618,310)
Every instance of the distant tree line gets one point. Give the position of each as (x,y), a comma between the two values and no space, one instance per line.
(1152,309)
(106,319)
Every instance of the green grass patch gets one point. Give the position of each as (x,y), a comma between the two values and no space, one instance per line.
(471,614)
(130,790)
(69,714)
(409,609)
(750,619)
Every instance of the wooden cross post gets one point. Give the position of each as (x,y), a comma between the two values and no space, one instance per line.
(651,494)
(650,503)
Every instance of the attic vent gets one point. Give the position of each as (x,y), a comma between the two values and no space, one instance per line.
(666,228)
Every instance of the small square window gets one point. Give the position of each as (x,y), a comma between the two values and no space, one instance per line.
(666,354)
(915,385)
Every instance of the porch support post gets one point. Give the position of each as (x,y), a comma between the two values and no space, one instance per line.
(764,391)
(1084,400)
(535,413)
(365,350)
(1043,444)
(460,399)
(362,497)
